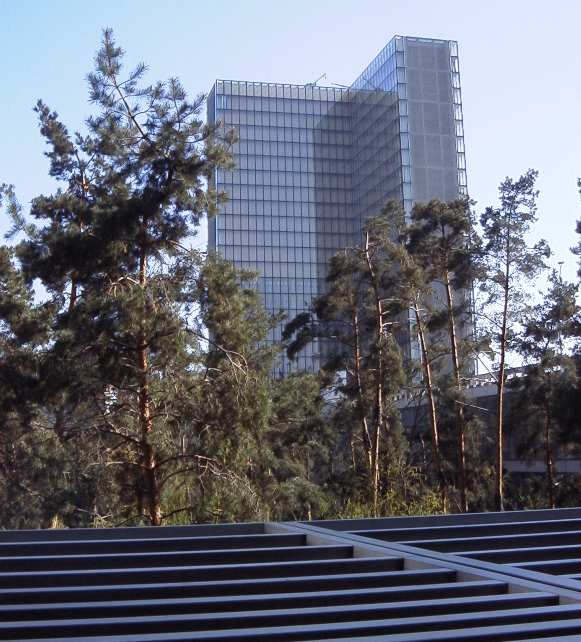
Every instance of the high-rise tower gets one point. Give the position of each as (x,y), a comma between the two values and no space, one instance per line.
(312,163)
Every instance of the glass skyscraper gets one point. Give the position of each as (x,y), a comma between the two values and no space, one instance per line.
(312,163)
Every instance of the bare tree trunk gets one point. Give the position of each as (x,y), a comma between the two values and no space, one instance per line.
(458,408)
(379,418)
(362,410)
(431,407)
(376,471)
(499,477)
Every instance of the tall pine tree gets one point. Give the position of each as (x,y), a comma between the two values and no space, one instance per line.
(357,320)
(511,266)
(439,241)
(110,247)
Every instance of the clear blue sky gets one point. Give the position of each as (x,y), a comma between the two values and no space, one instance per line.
(520,67)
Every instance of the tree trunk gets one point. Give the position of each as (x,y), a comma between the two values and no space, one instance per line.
(379,419)
(362,410)
(431,408)
(458,408)
(153,498)
(152,487)
(352,447)
(499,477)
(73,295)
(549,459)
(74,276)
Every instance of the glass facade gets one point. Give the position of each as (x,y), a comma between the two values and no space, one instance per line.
(312,163)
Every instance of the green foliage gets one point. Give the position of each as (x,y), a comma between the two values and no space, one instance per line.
(406,493)
(577,249)
(301,443)
(550,380)
(511,263)
(438,237)
(232,397)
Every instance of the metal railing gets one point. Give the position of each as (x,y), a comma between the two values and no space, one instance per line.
(509,576)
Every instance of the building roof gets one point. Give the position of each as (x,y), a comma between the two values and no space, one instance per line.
(494,576)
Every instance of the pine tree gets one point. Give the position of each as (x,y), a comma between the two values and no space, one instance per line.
(356,319)
(411,294)
(22,330)
(47,478)
(234,403)
(511,265)
(264,440)
(439,241)
(111,252)
(550,374)
(302,444)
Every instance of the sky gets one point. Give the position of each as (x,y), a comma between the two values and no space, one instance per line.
(520,64)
